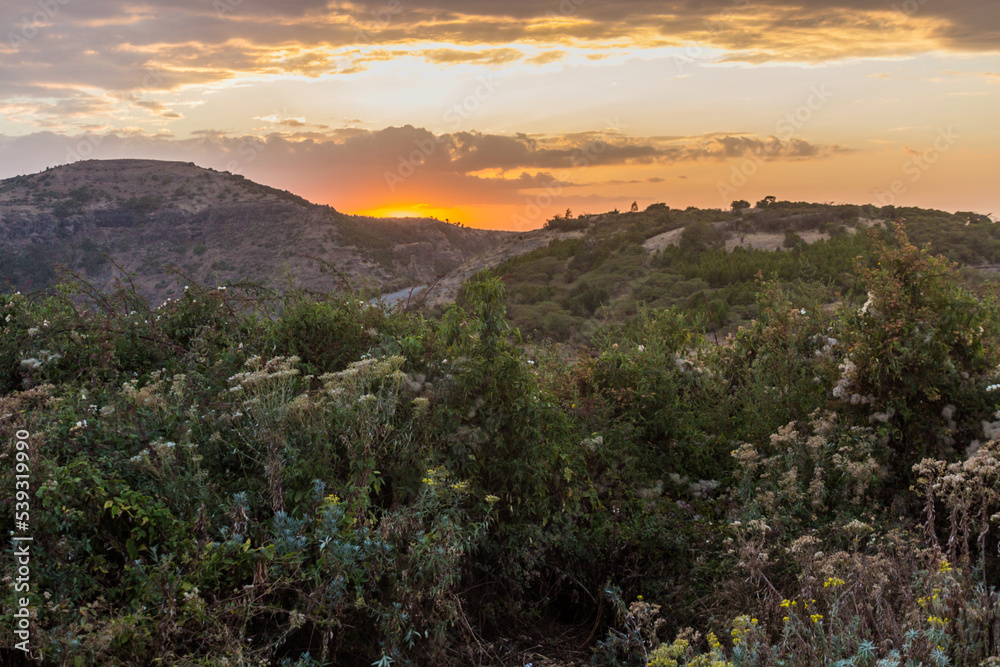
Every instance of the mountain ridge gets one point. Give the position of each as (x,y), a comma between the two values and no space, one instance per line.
(162,224)
(101,218)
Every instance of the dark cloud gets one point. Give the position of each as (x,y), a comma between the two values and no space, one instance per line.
(116,46)
(401,159)
(469,152)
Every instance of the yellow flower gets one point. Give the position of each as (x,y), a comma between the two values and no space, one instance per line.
(833,581)
(785,603)
(639,598)
(945,567)
(492,499)
(816,618)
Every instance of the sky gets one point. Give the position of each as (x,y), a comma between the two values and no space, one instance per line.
(503,114)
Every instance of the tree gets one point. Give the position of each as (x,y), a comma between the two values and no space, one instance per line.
(739,205)
(700,236)
(766,201)
(921,342)
(792,240)
(635,207)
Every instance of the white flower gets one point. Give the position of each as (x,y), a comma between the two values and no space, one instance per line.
(868,303)
(802,312)
(642,348)
(31,364)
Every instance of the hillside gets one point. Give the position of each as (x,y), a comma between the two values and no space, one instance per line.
(708,263)
(102,217)
(168,224)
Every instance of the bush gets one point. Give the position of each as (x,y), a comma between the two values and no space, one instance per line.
(920,346)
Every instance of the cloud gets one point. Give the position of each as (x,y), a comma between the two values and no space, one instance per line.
(157,108)
(158,45)
(353,167)
(455,56)
(547,57)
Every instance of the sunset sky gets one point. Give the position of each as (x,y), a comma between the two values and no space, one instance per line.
(501,114)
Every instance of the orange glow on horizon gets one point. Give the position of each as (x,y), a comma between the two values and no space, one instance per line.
(453,215)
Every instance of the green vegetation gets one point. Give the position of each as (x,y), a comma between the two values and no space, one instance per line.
(708,262)
(304,480)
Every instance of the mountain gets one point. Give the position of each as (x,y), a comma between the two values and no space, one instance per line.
(166,224)
(103,218)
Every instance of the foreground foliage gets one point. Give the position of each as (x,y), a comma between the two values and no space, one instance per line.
(228,479)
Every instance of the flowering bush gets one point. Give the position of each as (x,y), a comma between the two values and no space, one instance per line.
(288,480)
(918,354)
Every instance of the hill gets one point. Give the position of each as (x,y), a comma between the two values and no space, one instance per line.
(708,263)
(101,218)
(167,224)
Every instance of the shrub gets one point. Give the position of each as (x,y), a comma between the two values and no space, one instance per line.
(921,345)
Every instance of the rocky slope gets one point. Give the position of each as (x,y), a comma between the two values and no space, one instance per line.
(102,218)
